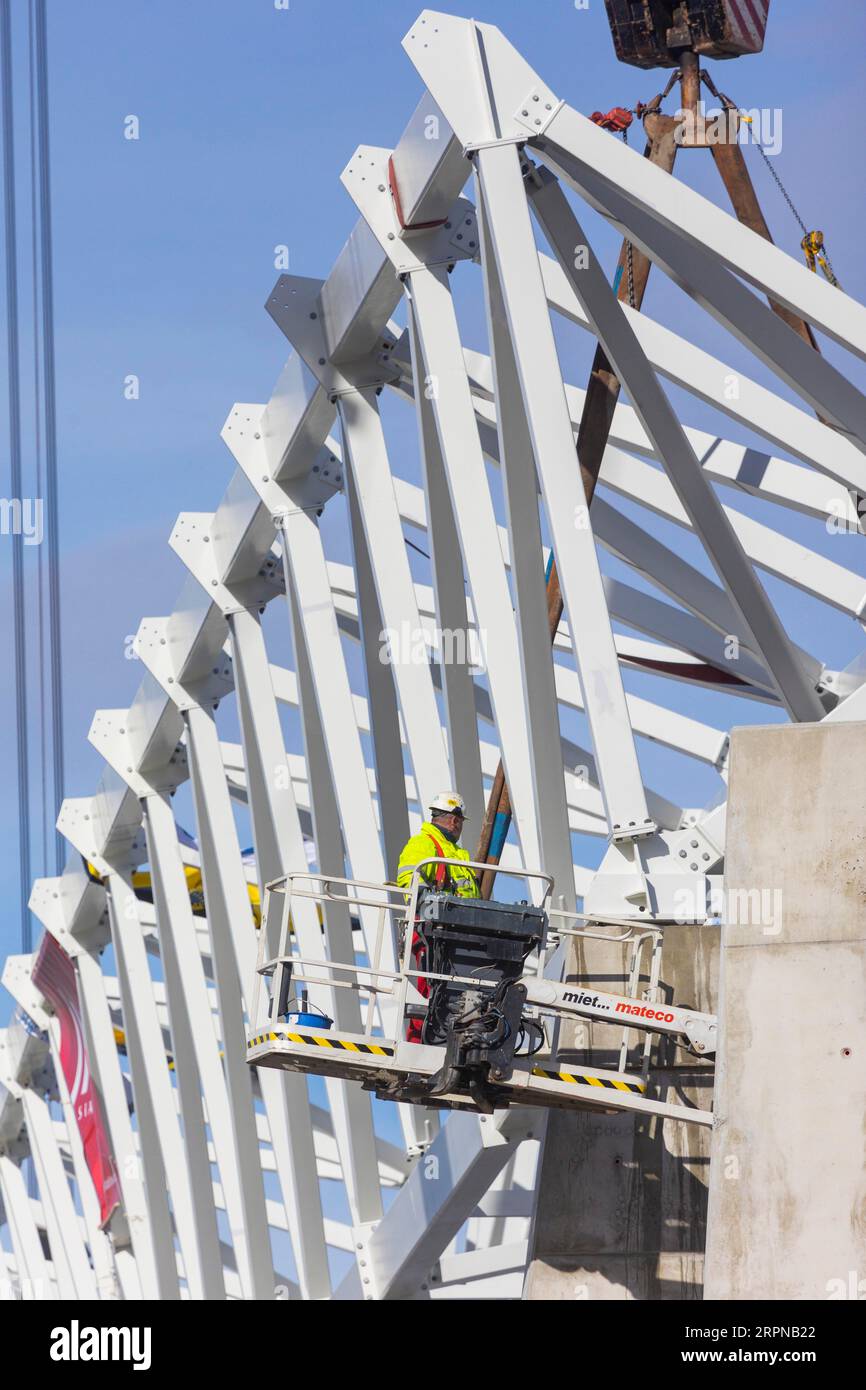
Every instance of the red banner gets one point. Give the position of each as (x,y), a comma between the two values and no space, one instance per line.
(54,976)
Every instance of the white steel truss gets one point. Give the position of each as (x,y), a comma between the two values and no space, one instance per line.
(239,1181)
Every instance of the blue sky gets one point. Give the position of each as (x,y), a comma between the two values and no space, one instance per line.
(164,255)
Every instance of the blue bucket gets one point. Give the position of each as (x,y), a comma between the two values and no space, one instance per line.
(309,1021)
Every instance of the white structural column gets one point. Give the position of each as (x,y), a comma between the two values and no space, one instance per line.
(185,978)
(513,246)
(229,913)
(185,1158)
(527,572)
(439,363)
(367,457)
(695,491)
(232,935)
(502,1217)
(449,587)
(381,689)
(150,1264)
(279,846)
(327,801)
(166,892)
(72,1268)
(33,1272)
(362,1176)
(433,1203)
(307,577)
(275,815)
(58,1247)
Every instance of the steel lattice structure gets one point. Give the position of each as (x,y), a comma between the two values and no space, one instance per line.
(220,1155)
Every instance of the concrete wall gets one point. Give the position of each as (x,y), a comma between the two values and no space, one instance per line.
(787,1215)
(622,1201)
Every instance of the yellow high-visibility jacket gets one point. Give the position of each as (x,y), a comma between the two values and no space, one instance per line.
(451,878)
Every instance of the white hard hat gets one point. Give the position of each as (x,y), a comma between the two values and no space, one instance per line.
(448,802)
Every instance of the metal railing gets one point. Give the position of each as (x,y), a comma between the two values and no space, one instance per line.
(396,908)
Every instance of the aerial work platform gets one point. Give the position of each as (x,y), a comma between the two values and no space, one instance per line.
(488,1015)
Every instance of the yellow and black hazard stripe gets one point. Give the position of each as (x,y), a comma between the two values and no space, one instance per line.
(578,1079)
(322,1040)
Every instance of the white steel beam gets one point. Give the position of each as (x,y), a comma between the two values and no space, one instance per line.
(185,981)
(330,729)
(712,613)
(440,360)
(676,577)
(366,455)
(700,273)
(733,393)
(526,556)
(450,608)
(488,91)
(184,1157)
(280,848)
(307,578)
(775,552)
(233,947)
(379,674)
(75,1277)
(81,820)
(586,806)
(285,1098)
(513,247)
(434,1202)
(438,372)
(769,639)
(33,1272)
(670,571)
(820,494)
(352,1118)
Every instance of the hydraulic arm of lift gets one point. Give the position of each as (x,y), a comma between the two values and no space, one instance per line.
(693,1030)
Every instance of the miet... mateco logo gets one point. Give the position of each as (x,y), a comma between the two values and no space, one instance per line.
(76,1343)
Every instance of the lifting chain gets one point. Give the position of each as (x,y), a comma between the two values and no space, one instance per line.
(812,243)
(629,252)
(629,261)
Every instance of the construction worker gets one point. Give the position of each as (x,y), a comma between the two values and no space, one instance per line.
(439,836)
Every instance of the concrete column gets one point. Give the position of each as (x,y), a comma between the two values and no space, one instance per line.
(787,1216)
(622,1200)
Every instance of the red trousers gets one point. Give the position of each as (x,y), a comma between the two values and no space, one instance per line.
(419,956)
